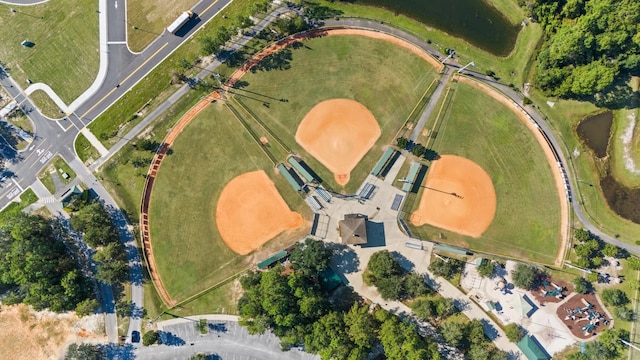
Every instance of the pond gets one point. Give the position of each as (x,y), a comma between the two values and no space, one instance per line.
(595,130)
(475,21)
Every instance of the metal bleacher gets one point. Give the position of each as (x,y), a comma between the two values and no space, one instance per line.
(411,176)
(383,160)
(285,172)
(324,194)
(313,203)
(366,191)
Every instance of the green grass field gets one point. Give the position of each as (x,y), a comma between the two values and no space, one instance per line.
(65,55)
(47,177)
(527,220)
(150,19)
(339,67)
(155,88)
(211,151)
(517,63)
(623,120)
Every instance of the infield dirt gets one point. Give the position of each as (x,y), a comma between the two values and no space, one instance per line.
(459,196)
(250,212)
(338,133)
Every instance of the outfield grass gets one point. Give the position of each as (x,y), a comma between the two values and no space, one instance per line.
(339,67)
(212,150)
(156,87)
(150,19)
(527,220)
(66,52)
(517,62)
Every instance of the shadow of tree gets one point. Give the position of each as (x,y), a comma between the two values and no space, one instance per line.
(345,259)
(170,339)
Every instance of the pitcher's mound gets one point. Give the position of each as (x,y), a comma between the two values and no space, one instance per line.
(338,133)
(250,212)
(458,196)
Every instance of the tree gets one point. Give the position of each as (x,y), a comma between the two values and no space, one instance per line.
(84,352)
(634,263)
(361,327)
(453,333)
(610,250)
(95,224)
(415,285)
(581,285)
(624,313)
(311,257)
(424,309)
(87,307)
(513,332)
(614,297)
(382,265)
(446,269)
(112,263)
(524,276)
(418,150)
(150,337)
(581,235)
(486,268)
(402,142)
(402,342)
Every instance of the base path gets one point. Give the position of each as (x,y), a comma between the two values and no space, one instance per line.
(458,196)
(537,133)
(250,212)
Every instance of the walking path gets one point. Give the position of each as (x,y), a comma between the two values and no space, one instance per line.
(433,100)
(94,141)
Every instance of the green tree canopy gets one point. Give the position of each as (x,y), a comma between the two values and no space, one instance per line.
(95,224)
(525,276)
(310,257)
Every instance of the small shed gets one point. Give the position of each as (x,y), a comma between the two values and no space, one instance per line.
(353,229)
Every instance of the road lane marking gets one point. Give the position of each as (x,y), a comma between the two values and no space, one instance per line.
(18,185)
(33,152)
(45,154)
(209,7)
(116,42)
(63,129)
(125,79)
(144,63)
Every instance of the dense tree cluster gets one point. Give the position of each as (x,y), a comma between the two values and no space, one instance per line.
(447,269)
(591,251)
(589,45)
(100,233)
(39,269)
(525,276)
(295,307)
(434,310)
(392,281)
(607,346)
(469,338)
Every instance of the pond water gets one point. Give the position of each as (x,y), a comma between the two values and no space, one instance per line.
(473,20)
(622,200)
(595,131)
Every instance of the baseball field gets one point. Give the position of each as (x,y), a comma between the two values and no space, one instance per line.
(218,204)
(527,221)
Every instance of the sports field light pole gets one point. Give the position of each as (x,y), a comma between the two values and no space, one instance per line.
(466,66)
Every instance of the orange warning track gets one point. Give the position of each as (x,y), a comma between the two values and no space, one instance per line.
(250,212)
(338,133)
(459,196)
(177,129)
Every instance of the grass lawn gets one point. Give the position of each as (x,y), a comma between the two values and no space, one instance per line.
(189,251)
(484,131)
(65,55)
(27,198)
(53,169)
(621,125)
(86,152)
(339,67)
(517,62)
(155,88)
(151,18)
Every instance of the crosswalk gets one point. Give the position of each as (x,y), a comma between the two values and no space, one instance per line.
(48,200)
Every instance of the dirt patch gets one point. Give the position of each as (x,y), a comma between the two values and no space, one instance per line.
(250,212)
(524,117)
(458,196)
(338,133)
(29,335)
(575,316)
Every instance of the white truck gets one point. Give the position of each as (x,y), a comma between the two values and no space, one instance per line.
(180,21)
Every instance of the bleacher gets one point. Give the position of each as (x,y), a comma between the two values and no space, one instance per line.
(324,194)
(383,160)
(313,203)
(296,165)
(411,176)
(367,191)
(285,172)
(272,260)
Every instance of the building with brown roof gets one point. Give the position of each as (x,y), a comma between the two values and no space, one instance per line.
(353,229)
